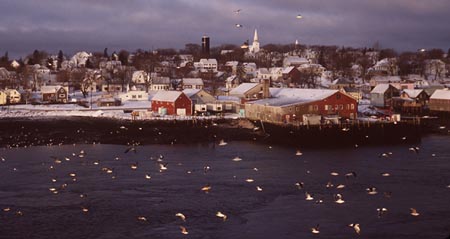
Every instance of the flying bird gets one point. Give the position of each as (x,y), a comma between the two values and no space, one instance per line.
(130,149)
(221,215)
(181,216)
(237,11)
(239,25)
(414,212)
(381,211)
(356,227)
(184,230)
(315,230)
(299,16)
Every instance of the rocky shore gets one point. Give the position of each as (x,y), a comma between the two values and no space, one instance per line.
(22,132)
(19,132)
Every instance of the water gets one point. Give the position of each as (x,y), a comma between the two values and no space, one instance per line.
(278,211)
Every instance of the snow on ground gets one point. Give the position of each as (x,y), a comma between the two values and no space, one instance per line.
(116,112)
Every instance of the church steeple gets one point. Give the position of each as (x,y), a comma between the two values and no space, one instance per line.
(255,38)
(254,48)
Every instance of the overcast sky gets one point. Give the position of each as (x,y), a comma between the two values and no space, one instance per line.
(92,25)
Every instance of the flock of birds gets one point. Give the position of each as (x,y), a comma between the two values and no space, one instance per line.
(133,148)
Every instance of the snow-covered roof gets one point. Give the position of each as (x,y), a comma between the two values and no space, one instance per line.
(228,98)
(192,81)
(49,89)
(190,92)
(380,89)
(161,81)
(291,96)
(231,78)
(413,93)
(243,88)
(389,79)
(208,61)
(170,95)
(287,70)
(441,94)
(263,71)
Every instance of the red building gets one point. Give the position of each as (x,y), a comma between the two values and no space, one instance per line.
(290,105)
(171,103)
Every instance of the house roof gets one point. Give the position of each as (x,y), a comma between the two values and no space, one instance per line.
(293,96)
(169,96)
(243,88)
(191,92)
(161,81)
(387,79)
(49,89)
(342,81)
(263,71)
(413,93)
(441,94)
(192,81)
(380,89)
(287,70)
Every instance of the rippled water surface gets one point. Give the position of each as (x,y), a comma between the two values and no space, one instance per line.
(115,201)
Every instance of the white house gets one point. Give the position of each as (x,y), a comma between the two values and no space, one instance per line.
(160,83)
(140,77)
(2,98)
(387,66)
(134,95)
(206,65)
(12,96)
(294,61)
(192,83)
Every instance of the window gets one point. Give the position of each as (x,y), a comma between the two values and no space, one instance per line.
(338,96)
(316,107)
(341,107)
(62,96)
(327,107)
(133,96)
(139,96)
(352,106)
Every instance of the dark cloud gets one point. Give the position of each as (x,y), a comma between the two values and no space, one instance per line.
(94,24)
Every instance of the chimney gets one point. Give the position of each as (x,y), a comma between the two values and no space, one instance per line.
(266,91)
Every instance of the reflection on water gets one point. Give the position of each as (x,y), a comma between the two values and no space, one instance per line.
(58,192)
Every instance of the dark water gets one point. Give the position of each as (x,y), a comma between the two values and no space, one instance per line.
(278,211)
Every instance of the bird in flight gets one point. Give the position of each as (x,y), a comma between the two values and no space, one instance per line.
(237,11)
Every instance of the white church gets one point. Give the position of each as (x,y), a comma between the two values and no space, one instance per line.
(254,48)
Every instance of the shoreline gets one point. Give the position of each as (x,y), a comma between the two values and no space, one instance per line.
(24,132)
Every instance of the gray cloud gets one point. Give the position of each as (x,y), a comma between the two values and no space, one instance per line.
(94,24)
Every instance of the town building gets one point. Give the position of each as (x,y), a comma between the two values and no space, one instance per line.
(440,101)
(171,103)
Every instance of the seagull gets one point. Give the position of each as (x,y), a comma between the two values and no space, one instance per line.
(221,215)
(132,148)
(371,190)
(181,215)
(308,197)
(329,185)
(148,177)
(334,174)
(134,166)
(222,143)
(414,149)
(238,25)
(142,218)
(340,186)
(162,167)
(350,174)
(298,153)
(206,188)
(356,227)
(299,16)
(381,211)
(249,180)
(414,212)
(338,199)
(315,230)
(300,185)
(259,189)
(6,209)
(385,174)
(84,209)
(237,159)
(237,11)
(184,230)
